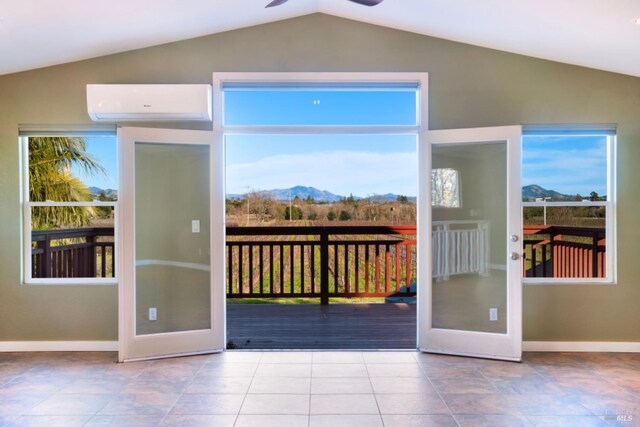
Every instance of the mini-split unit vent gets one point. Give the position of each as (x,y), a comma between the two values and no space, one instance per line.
(148,102)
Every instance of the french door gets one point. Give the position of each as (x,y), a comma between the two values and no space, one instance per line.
(171,294)
(470,252)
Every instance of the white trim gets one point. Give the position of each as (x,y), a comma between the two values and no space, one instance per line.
(16,346)
(582,346)
(322,129)
(541,346)
(420,79)
(74,281)
(564,204)
(56,129)
(71,204)
(171,356)
(559,281)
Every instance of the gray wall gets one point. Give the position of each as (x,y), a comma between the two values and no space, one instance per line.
(469,86)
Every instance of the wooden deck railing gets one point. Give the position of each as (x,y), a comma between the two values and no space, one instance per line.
(71,253)
(317,261)
(324,262)
(567,252)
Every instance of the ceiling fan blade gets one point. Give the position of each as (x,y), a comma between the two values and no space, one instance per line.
(367,2)
(276,3)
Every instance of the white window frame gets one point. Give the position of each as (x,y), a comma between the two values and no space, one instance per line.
(609,204)
(418,130)
(27,204)
(313,78)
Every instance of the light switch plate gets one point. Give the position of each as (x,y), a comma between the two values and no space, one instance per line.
(195,226)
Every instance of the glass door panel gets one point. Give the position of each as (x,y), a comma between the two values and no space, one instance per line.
(469,281)
(172,290)
(473,243)
(172,238)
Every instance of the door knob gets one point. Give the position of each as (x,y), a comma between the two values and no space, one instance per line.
(515,256)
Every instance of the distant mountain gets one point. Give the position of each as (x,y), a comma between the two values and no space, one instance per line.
(303,192)
(389,197)
(533,192)
(109,192)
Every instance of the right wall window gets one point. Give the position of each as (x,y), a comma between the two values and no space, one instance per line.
(568,199)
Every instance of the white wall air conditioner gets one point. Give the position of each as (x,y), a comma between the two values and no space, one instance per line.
(148,102)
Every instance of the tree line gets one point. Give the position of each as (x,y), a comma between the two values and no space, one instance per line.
(259,208)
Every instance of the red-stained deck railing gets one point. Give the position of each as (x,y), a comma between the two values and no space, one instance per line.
(322,261)
(318,261)
(564,252)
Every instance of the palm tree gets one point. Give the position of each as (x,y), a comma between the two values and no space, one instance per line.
(50,179)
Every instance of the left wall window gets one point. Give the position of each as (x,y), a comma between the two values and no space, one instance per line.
(70,198)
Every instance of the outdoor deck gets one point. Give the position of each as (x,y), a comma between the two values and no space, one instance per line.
(314,326)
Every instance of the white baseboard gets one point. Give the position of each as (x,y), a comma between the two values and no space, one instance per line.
(17,346)
(544,346)
(582,346)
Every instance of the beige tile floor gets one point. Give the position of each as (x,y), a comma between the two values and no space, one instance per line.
(313,389)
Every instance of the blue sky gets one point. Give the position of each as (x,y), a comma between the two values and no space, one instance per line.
(342,164)
(103,149)
(567,164)
(359,164)
(362,165)
(320,107)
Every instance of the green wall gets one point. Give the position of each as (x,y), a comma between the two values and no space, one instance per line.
(469,86)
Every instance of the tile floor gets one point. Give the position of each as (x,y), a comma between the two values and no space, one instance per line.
(313,389)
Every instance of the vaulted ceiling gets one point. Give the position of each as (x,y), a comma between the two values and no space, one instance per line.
(600,34)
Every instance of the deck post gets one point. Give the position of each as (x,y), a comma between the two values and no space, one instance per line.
(324,267)
(46,255)
(594,255)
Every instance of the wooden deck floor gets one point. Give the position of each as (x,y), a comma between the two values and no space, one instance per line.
(336,326)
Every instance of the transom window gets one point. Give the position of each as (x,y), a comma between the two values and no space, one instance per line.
(70,194)
(313,104)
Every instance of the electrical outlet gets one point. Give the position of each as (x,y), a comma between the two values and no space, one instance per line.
(195,226)
(153,313)
(493,314)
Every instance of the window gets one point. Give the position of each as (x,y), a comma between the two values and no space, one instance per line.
(568,200)
(314,104)
(69,206)
(445,188)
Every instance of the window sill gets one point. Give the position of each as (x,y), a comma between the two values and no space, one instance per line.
(568,282)
(72,282)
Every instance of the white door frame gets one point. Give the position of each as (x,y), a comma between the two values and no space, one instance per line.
(421,79)
(130,346)
(480,344)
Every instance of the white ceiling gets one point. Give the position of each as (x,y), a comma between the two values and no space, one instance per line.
(594,33)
